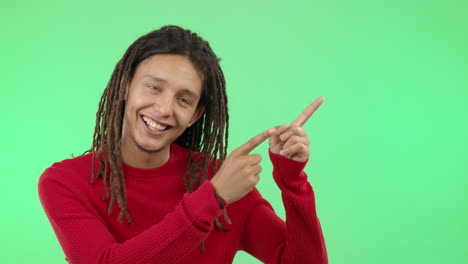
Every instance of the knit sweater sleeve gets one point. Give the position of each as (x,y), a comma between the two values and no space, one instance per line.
(86,239)
(300,238)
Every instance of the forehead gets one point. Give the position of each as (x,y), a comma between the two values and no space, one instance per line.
(177,71)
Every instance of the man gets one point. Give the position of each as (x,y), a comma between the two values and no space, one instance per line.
(159,154)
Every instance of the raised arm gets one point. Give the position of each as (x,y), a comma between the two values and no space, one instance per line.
(300,238)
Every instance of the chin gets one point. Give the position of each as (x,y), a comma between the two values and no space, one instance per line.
(149,149)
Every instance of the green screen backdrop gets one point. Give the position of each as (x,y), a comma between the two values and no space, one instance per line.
(389,160)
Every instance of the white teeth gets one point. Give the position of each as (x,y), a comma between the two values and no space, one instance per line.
(153,125)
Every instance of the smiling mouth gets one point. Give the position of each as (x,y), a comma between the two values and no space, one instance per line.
(153,125)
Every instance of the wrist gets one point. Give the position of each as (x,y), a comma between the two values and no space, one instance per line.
(221,201)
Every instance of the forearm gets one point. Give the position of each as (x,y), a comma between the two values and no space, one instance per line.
(304,242)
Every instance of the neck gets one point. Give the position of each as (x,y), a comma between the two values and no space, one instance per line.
(134,156)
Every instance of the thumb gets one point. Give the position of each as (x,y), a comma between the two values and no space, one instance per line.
(275,143)
(274,139)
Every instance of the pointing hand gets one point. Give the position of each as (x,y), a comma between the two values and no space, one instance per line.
(291,141)
(239,172)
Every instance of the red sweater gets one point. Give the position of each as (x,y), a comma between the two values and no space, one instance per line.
(169,224)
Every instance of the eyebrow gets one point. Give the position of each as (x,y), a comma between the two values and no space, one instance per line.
(156,78)
(159,79)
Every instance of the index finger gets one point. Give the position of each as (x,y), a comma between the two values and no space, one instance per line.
(307,113)
(255,141)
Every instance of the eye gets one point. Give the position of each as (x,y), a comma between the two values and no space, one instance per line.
(184,101)
(154,88)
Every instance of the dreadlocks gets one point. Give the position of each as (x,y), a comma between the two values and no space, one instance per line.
(206,139)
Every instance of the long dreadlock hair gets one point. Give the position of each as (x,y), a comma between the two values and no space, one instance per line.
(206,139)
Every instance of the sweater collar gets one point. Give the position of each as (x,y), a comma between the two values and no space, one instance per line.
(130,171)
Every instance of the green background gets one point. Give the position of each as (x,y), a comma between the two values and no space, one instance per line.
(388,153)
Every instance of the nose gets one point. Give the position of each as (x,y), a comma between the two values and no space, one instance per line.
(164,106)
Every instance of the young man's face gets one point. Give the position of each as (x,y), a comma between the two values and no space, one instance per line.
(161,102)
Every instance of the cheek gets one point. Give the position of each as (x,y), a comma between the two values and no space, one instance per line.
(131,117)
(128,121)
(135,103)
(185,116)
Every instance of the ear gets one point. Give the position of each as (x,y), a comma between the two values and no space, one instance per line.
(198,113)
